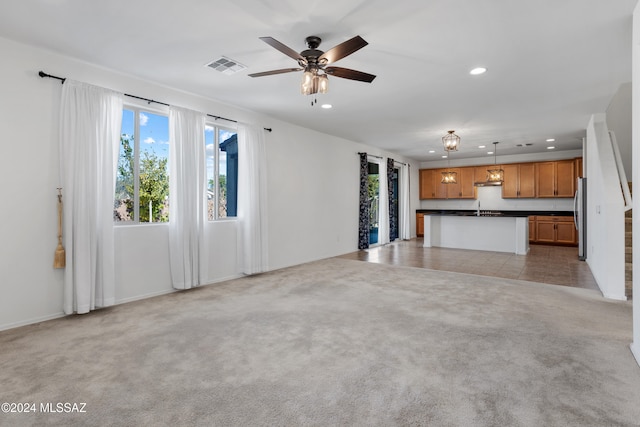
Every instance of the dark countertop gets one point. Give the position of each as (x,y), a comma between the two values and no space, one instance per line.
(462,212)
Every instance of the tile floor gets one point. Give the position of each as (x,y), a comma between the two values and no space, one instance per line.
(556,265)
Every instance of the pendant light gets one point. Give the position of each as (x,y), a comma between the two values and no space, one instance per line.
(495,175)
(448,176)
(451,141)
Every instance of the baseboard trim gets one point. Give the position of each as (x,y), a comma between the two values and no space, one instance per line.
(31,321)
(616,297)
(145,296)
(635,350)
(172,290)
(40,319)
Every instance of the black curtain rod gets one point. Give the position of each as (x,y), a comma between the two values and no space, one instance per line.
(62,80)
(371,155)
(378,157)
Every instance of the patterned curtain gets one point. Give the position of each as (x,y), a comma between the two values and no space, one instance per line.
(363,229)
(393,215)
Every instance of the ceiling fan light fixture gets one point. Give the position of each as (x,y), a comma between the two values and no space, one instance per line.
(313,62)
(306,86)
(323,83)
(451,141)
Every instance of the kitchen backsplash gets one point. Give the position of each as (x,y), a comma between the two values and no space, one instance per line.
(490,198)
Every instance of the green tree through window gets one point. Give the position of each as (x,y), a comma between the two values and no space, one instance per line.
(150,197)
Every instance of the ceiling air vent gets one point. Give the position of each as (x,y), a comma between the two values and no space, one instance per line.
(226,65)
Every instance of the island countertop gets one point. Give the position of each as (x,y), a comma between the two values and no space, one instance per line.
(499,233)
(483,212)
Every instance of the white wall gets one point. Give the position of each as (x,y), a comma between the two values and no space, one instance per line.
(619,121)
(312,189)
(635,345)
(605,212)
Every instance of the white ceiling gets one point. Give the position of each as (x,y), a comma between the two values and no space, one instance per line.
(551,63)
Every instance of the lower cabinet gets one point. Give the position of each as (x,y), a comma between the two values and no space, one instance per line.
(553,230)
(532,229)
(419,224)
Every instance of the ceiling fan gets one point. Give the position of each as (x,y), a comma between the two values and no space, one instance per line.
(314,63)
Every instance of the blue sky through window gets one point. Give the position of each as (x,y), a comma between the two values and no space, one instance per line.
(154,136)
(154,131)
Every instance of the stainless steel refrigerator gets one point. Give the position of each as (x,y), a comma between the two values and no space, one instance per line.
(580,217)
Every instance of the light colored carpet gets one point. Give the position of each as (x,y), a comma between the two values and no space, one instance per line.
(335,342)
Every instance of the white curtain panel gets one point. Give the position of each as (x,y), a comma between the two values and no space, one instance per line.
(187,197)
(90,126)
(383,207)
(405,206)
(252,199)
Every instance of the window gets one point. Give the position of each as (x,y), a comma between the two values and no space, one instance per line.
(142,177)
(222,172)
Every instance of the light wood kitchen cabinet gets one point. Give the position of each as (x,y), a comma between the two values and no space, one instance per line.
(467,181)
(463,188)
(440,187)
(579,173)
(431,186)
(532,228)
(565,178)
(480,173)
(427,184)
(419,224)
(555,230)
(519,181)
(555,179)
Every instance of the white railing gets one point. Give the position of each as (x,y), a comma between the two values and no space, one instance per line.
(622,176)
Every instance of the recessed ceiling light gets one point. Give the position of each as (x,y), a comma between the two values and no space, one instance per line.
(550,139)
(551,148)
(326,106)
(482,146)
(432,151)
(444,157)
(489,152)
(478,70)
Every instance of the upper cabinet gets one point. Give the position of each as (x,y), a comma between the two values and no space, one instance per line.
(519,181)
(431,186)
(555,179)
(467,183)
(427,185)
(579,173)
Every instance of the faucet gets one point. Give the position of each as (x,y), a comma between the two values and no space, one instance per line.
(478,211)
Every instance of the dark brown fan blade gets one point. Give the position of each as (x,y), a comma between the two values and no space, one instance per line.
(346,73)
(272,72)
(283,48)
(343,49)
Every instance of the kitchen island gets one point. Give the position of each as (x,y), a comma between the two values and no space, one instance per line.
(499,233)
